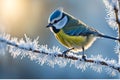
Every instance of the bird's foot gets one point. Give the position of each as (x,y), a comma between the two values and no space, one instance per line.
(84,57)
(64,54)
(66,51)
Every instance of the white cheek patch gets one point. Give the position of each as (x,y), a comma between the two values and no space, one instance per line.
(61,23)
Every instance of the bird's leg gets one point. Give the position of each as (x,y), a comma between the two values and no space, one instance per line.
(66,51)
(83,54)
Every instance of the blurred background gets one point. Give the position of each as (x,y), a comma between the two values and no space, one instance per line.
(19,17)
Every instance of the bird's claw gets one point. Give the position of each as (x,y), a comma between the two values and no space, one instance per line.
(84,57)
(66,51)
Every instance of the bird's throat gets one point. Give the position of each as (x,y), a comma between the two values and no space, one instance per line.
(55,30)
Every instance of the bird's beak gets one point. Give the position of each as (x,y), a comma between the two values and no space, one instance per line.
(49,25)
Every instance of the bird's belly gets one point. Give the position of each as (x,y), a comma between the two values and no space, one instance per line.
(76,42)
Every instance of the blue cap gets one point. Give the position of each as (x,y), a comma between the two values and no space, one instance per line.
(55,14)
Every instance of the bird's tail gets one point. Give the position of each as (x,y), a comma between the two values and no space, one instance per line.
(109,37)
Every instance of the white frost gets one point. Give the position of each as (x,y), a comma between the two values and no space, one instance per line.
(25,48)
(111,18)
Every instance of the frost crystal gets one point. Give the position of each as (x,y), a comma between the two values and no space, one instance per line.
(41,54)
(3,45)
(111,18)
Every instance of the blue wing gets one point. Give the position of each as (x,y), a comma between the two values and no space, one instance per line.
(80,30)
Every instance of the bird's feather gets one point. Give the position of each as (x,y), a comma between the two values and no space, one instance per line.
(76,28)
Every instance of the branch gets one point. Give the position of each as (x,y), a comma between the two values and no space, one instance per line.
(116,10)
(27,45)
(113,19)
(117,17)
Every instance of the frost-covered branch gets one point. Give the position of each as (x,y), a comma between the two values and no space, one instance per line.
(113,19)
(113,13)
(42,54)
(117,15)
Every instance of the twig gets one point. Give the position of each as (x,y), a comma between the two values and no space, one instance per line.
(117,19)
(118,22)
(61,55)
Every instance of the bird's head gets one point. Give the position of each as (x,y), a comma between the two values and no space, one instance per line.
(57,19)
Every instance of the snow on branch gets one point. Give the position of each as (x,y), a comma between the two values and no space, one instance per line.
(113,13)
(113,19)
(43,55)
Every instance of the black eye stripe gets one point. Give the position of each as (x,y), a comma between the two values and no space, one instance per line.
(59,19)
(55,21)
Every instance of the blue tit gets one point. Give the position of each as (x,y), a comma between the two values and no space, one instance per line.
(73,33)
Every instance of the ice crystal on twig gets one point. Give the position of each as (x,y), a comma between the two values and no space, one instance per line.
(41,54)
(111,16)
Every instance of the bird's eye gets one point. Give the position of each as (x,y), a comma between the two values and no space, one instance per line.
(55,21)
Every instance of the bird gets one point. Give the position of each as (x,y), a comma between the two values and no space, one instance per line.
(72,32)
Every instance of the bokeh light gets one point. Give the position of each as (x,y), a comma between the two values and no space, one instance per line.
(19,15)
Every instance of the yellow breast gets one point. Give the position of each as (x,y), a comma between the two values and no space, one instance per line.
(76,42)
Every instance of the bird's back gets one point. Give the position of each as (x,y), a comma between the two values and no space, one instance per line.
(75,27)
